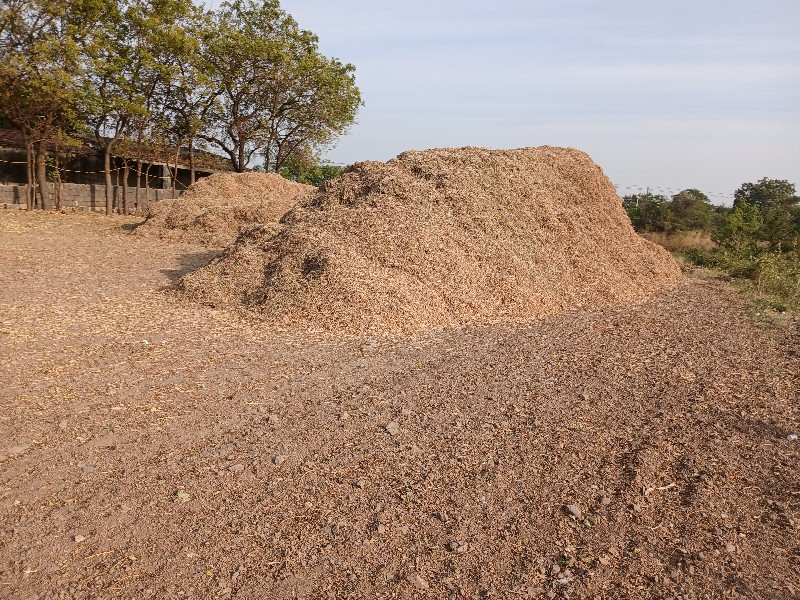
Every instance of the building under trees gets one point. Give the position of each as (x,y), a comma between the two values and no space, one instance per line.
(76,175)
(158,90)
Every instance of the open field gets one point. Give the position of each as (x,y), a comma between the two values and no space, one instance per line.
(155,448)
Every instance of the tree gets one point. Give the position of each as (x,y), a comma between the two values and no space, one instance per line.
(312,174)
(767,194)
(133,61)
(318,104)
(173,95)
(275,94)
(691,209)
(41,51)
(141,74)
(192,94)
(777,202)
(781,228)
(740,230)
(648,212)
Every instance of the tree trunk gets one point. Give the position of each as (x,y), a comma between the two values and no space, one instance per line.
(125,173)
(191,163)
(117,190)
(58,185)
(41,175)
(109,183)
(146,206)
(138,182)
(267,157)
(175,176)
(30,191)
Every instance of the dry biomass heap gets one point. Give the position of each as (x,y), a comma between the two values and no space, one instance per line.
(442,237)
(215,209)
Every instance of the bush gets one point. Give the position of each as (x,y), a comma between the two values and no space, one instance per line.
(772,277)
(702,258)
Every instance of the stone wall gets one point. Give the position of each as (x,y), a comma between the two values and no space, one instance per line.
(78,195)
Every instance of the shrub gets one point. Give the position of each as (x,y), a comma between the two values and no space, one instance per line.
(772,277)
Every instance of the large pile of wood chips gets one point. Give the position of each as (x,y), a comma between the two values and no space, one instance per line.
(214,210)
(441,238)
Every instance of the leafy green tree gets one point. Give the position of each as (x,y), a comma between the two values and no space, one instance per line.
(777,201)
(191,94)
(648,212)
(311,174)
(41,60)
(739,231)
(691,209)
(275,93)
(132,61)
(319,104)
(767,194)
(169,87)
(781,228)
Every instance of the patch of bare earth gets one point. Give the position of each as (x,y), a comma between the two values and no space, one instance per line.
(154,448)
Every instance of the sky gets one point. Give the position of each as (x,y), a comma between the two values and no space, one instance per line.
(668,95)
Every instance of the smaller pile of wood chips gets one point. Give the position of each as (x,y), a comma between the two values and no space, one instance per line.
(214,210)
(441,238)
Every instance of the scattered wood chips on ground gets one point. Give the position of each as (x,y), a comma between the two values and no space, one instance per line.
(153,447)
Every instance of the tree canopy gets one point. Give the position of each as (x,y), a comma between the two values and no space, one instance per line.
(691,209)
(245,79)
(779,207)
(767,194)
(274,93)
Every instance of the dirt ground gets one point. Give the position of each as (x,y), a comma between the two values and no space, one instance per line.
(152,448)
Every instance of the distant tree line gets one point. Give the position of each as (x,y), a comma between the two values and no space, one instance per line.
(765,214)
(758,238)
(244,80)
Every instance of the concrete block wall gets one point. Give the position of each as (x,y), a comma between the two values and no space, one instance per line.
(78,195)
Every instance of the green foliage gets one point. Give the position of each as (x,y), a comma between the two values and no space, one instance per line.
(739,231)
(648,212)
(42,50)
(315,174)
(691,210)
(245,78)
(777,203)
(782,228)
(133,62)
(767,194)
(757,239)
(772,278)
(275,94)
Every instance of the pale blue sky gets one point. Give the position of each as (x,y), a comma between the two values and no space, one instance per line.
(670,94)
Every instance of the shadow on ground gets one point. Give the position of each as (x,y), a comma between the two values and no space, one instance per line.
(131,227)
(189,262)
